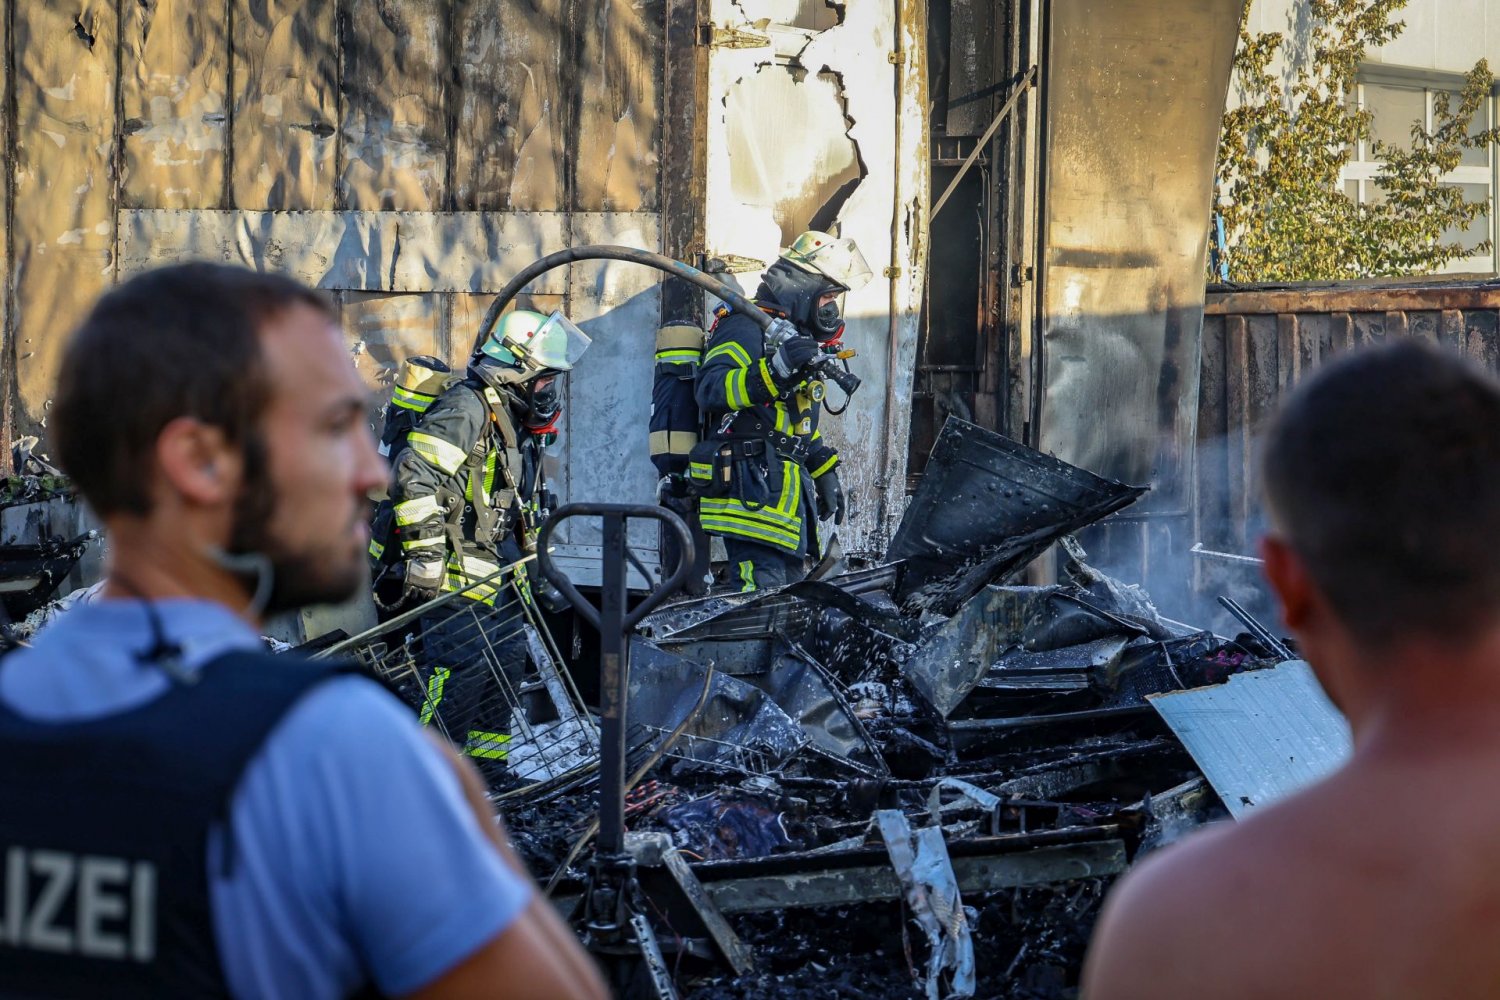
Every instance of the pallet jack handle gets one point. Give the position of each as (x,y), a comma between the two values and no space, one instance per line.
(614,624)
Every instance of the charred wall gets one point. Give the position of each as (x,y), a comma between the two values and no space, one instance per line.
(968,360)
(488,107)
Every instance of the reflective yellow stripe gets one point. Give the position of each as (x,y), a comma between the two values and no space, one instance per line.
(417,509)
(487,745)
(773,518)
(411,400)
(488,477)
(672,442)
(409,544)
(765,376)
(477,569)
(747,576)
(412,395)
(463,572)
(523,587)
(783,424)
(435,451)
(832,461)
(484,594)
(723,524)
(773,515)
(791,488)
(376,549)
(700,470)
(435,685)
(739,354)
(679,357)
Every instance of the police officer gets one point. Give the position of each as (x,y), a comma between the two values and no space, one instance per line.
(468,498)
(183,814)
(764,470)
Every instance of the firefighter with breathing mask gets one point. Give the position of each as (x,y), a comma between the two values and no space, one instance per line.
(763,471)
(469,497)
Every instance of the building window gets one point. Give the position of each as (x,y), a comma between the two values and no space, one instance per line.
(1397,103)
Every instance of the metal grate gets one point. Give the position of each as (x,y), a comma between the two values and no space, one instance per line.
(490,679)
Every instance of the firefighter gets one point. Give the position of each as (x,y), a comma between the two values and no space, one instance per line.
(764,471)
(468,499)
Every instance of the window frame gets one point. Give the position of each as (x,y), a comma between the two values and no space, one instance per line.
(1363,168)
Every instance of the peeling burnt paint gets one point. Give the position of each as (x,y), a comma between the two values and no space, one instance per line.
(174,59)
(62,232)
(285,73)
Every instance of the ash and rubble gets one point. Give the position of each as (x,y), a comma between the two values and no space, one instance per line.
(914,779)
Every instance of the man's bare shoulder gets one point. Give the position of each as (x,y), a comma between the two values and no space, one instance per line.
(1205,908)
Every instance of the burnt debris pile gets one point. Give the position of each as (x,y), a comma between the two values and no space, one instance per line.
(41,541)
(913,780)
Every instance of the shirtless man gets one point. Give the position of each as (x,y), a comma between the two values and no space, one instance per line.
(1382,476)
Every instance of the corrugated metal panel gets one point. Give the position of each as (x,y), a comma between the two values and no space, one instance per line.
(1260,736)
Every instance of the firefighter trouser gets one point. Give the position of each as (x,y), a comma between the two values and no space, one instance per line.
(760,567)
(476,657)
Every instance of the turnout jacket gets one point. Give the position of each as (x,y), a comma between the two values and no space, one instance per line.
(466,480)
(774,448)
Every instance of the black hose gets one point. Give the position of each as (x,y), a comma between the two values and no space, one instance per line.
(676,268)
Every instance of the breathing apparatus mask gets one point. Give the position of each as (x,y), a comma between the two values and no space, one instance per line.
(815,265)
(543,402)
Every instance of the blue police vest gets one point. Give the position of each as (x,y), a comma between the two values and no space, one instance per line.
(104,827)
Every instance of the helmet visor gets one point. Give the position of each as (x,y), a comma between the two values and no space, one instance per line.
(837,260)
(557,344)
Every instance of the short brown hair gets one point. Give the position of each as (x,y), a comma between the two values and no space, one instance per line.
(177,341)
(1383,470)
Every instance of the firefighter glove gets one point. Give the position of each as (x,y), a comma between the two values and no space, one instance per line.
(831,500)
(424,578)
(790,363)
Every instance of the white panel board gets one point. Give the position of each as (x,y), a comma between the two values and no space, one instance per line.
(602,453)
(1260,736)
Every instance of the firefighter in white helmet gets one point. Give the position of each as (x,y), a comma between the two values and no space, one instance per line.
(469,497)
(764,473)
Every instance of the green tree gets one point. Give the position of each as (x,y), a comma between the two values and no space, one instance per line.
(1278,189)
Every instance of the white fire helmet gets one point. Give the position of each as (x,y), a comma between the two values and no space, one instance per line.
(536,342)
(836,259)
